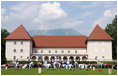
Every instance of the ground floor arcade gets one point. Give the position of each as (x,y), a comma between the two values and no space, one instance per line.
(59,57)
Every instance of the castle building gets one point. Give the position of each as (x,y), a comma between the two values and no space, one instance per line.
(20,45)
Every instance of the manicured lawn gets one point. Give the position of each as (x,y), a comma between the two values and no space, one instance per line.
(59,71)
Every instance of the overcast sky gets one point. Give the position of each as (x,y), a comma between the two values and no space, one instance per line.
(82,16)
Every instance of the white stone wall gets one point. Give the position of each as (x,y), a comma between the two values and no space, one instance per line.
(59,50)
(99,49)
(27,48)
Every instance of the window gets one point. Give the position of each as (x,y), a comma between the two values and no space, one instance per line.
(68,51)
(41,51)
(55,51)
(14,50)
(96,50)
(14,42)
(62,51)
(21,56)
(102,43)
(75,51)
(96,43)
(36,51)
(14,57)
(21,42)
(102,56)
(21,50)
(49,51)
(102,50)
(96,57)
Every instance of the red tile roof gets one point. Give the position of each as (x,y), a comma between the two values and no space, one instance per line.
(60,41)
(99,34)
(19,33)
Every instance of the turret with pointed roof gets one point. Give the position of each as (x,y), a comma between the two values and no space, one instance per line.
(99,34)
(19,33)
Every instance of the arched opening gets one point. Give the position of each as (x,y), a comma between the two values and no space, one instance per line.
(77,58)
(71,58)
(46,58)
(65,58)
(60,58)
(40,58)
(52,58)
(33,58)
(84,58)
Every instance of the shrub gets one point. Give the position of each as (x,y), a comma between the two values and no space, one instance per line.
(87,62)
(108,62)
(25,62)
(8,62)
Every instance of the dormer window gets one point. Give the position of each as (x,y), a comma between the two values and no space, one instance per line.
(75,51)
(36,51)
(21,50)
(14,50)
(49,51)
(14,42)
(21,42)
(68,51)
(55,51)
(62,51)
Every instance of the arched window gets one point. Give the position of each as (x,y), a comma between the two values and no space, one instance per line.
(84,58)
(52,58)
(40,58)
(46,58)
(71,58)
(65,58)
(33,58)
(77,58)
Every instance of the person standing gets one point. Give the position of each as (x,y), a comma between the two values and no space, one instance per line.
(16,64)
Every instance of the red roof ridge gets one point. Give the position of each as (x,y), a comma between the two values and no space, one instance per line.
(19,33)
(60,35)
(99,34)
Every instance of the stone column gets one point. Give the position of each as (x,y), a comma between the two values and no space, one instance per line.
(68,58)
(62,58)
(81,58)
(36,58)
(49,58)
(55,58)
(43,58)
(74,58)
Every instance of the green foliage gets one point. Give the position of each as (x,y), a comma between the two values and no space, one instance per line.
(4,33)
(87,62)
(111,29)
(108,62)
(25,62)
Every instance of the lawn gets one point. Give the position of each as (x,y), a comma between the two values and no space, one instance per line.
(59,71)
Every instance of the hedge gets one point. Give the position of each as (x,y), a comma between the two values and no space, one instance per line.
(108,62)
(25,62)
(86,62)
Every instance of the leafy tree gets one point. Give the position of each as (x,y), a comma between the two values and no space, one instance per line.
(4,33)
(111,29)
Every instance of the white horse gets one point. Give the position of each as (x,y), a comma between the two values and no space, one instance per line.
(16,65)
(54,64)
(26,65)
(30,64)
(47,66)
(67,66)
(76,65)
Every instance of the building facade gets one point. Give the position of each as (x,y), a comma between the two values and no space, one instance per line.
(20,45)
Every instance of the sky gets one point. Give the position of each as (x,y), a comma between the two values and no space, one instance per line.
(81,16)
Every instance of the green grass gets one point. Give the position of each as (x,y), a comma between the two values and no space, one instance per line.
(59,71)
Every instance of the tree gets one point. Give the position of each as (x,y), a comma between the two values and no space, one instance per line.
(4,33)
(111,29)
